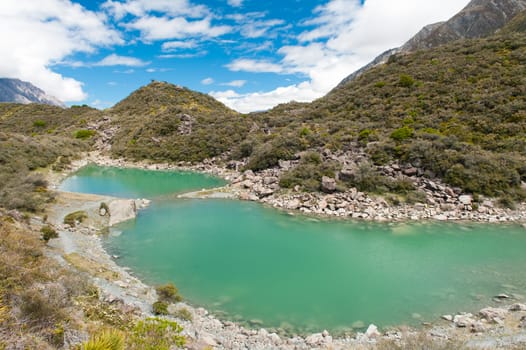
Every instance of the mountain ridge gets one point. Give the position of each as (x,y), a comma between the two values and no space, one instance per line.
(18,91)
(477,19)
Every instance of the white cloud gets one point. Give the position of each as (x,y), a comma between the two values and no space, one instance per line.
(178,45)
(116,60)
(235,3)
(254,66)
(343,37)
(235,83)
(160,28)
(207,81)
(34,38)
(139,8)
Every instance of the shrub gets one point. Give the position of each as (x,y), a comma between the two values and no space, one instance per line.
(168,293)
(155,334)
(160,308)
(39,123)
(183,314)
(48,233)
(104,206)
(402,133)
(72,218)
(84,134)
(406,81)
(106,340)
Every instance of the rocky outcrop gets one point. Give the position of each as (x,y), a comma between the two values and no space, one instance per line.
(17,91)
(122,210)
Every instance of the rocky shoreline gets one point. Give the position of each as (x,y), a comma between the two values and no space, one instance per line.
(500,327)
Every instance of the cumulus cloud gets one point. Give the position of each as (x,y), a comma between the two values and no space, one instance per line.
(341,37)
(116,60)
(178,45)
(34,38)
(207,81)
(160,28)
(235,83)
(255,66)
(235,3)
(139,8)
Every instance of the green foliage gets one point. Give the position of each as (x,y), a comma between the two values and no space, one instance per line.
(72,218)
(308,173)
(84,134)
(109,339)
(48,233)
(168,293)
(160,308)
(155,334)
(403,133)
(39,123)
(406,81)
(183,314)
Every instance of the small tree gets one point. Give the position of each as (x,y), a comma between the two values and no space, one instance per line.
(48,233)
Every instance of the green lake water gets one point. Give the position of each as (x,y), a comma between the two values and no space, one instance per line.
(245,261)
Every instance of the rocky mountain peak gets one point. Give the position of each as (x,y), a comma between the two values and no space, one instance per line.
(18,91)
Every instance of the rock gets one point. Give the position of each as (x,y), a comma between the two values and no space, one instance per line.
(463,320)
(248,184)
(293,204)
(103,211)
(207,339)
(465,199)
(121,210)
(325,333)
(248,174)
(478,327)
(518,307)
(322,204)
(410,171)
(274,338)
(447,318)
(358,325)
(522,323)
(372,332)
(493,314)
(328,184)
(440,217)
(502,296)
(347,173)
(269,180)
(314,339)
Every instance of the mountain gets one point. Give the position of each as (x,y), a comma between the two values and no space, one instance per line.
(17,91)
(162,121)
(456,112)
(478,19)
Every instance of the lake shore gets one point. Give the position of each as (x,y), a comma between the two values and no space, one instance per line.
(441,202)
(83,247)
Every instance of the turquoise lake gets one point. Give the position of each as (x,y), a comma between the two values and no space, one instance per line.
(244,261)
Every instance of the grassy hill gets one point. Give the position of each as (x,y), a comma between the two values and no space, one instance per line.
(164,122)
(457,111)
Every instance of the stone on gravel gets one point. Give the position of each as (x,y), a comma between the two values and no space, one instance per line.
(372,332)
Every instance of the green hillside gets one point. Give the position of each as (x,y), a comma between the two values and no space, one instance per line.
(164,122)
(457,111)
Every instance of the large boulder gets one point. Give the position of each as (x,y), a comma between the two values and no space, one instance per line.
(121,210)
(328,184)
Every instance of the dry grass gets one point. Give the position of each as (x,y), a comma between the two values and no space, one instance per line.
(92,267)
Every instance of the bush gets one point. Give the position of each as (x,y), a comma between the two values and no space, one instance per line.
(72,218)
(402,133)
(84,134)
(106,340)
(155,334)
(48,233)
(168,293)
(183,314)
(406,81)
(39,123)
(160,308)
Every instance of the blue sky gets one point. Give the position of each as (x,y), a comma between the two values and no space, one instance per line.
(250,54)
